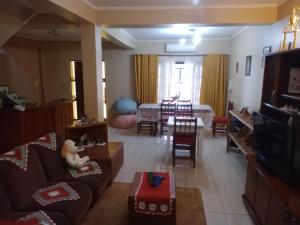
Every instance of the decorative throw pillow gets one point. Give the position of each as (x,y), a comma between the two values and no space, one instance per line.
(48,141)
(39,217)
(52,163)
(89,168)
(21,173)
(55,193)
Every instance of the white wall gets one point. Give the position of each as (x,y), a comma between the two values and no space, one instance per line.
(56,57)
(120,80)
(19,69)
(246,90)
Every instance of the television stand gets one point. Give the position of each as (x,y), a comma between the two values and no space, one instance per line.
(269,200)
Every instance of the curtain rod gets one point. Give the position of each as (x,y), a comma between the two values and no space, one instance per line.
(180,55)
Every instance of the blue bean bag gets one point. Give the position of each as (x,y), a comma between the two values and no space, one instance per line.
(124,106)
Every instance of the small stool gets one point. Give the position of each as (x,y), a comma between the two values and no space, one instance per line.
(220,123)
(152,205)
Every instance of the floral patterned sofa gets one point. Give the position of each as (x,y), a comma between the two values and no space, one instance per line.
(35,185)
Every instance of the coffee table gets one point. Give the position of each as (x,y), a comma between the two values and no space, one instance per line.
(152,205)
(112,154)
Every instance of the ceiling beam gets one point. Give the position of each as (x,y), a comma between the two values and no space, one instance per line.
(77,7)
(204,16)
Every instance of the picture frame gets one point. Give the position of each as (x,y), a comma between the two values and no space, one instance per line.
(237,67)
(248,65)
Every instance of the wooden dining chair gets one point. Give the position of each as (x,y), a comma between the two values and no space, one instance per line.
(184,109)
(166,110)
(168,101)
(184,138)
(181,101)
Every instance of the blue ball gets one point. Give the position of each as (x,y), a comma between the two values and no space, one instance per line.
(124,106)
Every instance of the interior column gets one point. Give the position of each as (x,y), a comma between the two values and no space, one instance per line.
(91,52)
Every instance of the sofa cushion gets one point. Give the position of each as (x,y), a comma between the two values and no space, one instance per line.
(74,210)
(44,217)
(21,173)
(97,182)
(5,206)
(50,157)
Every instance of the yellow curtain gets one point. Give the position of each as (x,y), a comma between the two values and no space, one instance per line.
(145,73)
(214,82)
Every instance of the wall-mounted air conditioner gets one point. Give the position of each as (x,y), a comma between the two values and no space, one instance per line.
(180,48)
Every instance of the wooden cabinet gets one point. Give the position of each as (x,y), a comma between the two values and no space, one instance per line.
(262,198)
(96,131)
(269,200)
(18,128)
(276,92)
(258,193)
(251,180)
(280,215)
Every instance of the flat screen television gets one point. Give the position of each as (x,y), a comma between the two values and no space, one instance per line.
(277,146)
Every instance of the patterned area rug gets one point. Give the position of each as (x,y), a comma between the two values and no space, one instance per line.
(111,208)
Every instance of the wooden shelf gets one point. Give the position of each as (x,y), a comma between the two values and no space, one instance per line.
(86,125)
(291,97)
(95,130)
(241,118)
(245,149)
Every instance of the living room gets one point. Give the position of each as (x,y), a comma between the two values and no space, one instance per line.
(35,63)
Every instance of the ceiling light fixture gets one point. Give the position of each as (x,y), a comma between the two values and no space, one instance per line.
(195,2)
(54,33)
(196,36)
(182,41)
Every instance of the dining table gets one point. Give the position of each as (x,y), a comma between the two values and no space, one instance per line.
(152,111)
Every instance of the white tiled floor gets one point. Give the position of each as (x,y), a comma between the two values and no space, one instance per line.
(220,176)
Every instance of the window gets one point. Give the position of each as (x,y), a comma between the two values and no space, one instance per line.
(76,80)
(180,76)
(73,89)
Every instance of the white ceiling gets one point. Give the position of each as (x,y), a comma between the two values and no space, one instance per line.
(181,31)
(138,34)
(173,3)
(42,34)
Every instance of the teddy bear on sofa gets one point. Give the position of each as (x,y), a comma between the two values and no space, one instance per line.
(69,153)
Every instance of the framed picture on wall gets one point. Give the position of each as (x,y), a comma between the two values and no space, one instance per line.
(248,65)
(237,67)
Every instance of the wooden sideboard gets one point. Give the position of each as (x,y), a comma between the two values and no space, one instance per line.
(94,130)
(269,200)
(18,128)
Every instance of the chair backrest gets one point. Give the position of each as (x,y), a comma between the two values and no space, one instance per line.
(185,126)
(168,109)
(184,110)
(168,101)
(184,102)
